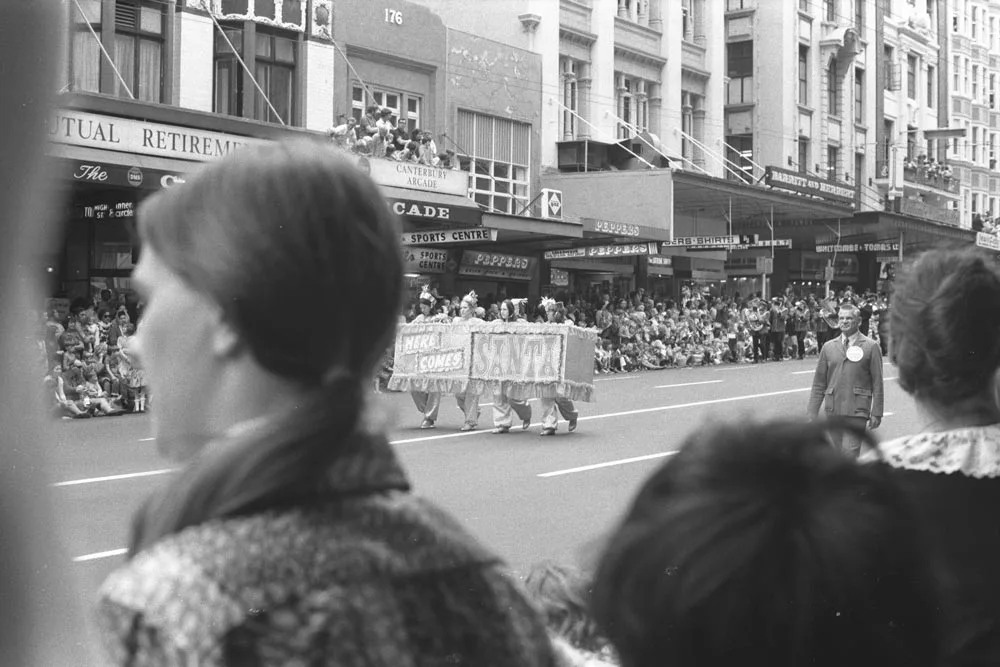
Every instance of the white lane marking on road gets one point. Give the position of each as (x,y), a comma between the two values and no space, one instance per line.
(112,478)
(686,384)
(146,439)
(888,414)
(100,554)
(624,377)
(736,368)
(802,372)
(660,408)
(634,459)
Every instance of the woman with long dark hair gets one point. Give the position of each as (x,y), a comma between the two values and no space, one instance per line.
(505,407)
(290,535)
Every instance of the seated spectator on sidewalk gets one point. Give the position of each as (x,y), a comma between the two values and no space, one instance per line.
(759,544)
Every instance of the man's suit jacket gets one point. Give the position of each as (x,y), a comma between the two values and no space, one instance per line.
(848,388)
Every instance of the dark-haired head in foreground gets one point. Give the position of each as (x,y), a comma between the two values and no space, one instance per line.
(762,545)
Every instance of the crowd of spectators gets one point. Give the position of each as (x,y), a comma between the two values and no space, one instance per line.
(929,168)
(642,332)
(379,134)
(84,352)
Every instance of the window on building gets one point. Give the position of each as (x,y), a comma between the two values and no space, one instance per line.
(830,10)
(975,83)
(859,168)
(803,75)
(499,152)
(975,144)
(570,98)
(992,99)
(889,137)
(739,151)
(833,88)
(803,154)
(956,75)
(633,105)
(889,67)
(687,125)
(966,87)
(859,96)
(859,16)
(138,52)
(975,23)
(739,57)
(832,163)
(931,84)
(804,6)
(405,107)
(85,60)
(991,36)
(734,5)
(911,142)
(272,57)
(968,141)
(911,76)
(274,69)
(687,20)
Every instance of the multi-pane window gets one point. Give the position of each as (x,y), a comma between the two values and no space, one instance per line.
(830,10)
(85,64)
(803,154)
(570,97)
(405,107)
(975,23)
(272,57)
(993,92)
(803,75)
(498,152)
(859,96)
(833,88)
(911,77)
(804,6)
(633,105)
(274,68)
(138,49)
(956,74)
(739,61)
(832,159)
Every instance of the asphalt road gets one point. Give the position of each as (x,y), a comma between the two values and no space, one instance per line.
(529,498)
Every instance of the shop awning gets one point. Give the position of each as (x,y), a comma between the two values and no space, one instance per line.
(437,207)
(717,197)
(518,228)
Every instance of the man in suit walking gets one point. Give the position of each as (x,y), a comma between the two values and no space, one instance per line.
(848,379)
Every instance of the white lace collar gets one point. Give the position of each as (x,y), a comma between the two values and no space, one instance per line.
(972,451)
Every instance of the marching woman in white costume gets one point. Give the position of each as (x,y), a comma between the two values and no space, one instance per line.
(427,403)
(504,407)
(553,407)
(468,401)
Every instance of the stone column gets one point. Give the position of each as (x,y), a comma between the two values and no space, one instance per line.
(655,110)
(583,85)
(698,132)
(569,120)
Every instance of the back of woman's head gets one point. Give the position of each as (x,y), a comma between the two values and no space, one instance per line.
(945,325)
(287,227)
(760,544)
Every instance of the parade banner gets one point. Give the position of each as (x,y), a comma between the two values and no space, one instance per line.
(521,360)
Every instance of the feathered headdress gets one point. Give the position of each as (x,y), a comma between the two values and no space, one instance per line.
(425,295)
(471,298)
(547,303)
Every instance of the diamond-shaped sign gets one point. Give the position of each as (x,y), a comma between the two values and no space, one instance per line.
(555,204)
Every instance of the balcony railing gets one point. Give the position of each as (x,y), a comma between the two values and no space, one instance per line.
(931,178)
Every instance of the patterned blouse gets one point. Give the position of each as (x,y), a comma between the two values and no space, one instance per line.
(374,577)
(953,479)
